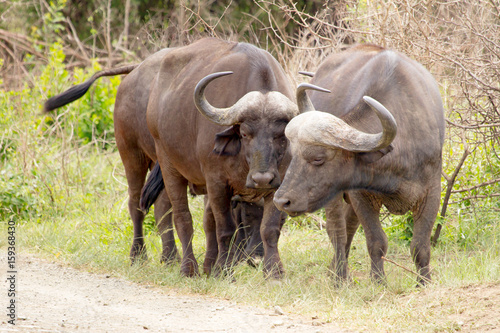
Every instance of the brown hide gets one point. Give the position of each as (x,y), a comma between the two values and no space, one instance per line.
(185,139)
(137,149)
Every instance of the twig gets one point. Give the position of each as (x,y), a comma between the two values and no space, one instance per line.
(18,63)
(472,126)
(407,269)
(494,181)
(108,32)
(124,34)
(279,35)
(476,197)
(449,187)
(77,40)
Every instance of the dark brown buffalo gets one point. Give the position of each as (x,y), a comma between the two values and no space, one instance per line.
(137,150)
(355,150)
(230,142)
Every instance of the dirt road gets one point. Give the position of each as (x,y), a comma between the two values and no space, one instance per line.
(54,298)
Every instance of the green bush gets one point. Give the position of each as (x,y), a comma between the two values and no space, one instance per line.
(34,148)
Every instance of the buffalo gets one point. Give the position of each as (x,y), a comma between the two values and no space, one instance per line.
(228,139)
(377,142)
(137,150)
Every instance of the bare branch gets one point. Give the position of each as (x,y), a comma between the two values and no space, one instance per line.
(491,182)
(407,269)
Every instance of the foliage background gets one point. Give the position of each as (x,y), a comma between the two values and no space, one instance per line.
(45,46)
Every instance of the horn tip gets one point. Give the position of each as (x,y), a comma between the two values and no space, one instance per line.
(369,100)
(313,87)
(310,74)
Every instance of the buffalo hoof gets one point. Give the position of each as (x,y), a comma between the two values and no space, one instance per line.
(138,253)
(170,259)
(208,265)
(423,281)
(276,272)
(189,269)
(381,280)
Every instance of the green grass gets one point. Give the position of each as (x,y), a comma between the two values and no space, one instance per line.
(82,219)
(91,230)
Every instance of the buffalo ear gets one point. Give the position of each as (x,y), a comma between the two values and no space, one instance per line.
(376,155)
(227,142)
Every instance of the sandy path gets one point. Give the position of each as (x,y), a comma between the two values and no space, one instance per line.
(54,298)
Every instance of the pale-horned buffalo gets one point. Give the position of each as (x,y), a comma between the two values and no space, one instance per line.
(228,139)
(369,151)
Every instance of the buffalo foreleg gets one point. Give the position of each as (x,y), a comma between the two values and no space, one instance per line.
(270,230)
(352,224)
(163,218)
(211,237)
(367,208)
(176,187)
(424,216)
(336,229)
(220,204)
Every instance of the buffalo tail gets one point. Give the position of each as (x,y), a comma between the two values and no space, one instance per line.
(75,92)
(152,189)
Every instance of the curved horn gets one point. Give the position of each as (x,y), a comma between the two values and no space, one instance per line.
(221,116)
(326,129)
(303,101)
(389,126)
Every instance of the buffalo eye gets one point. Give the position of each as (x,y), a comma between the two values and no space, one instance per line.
(317,161)
(245,132)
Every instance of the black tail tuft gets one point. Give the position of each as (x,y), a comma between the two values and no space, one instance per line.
(151,190)
(75,92)
(70,95)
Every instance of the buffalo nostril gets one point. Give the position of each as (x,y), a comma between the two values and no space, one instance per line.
(263,179)
(282,203)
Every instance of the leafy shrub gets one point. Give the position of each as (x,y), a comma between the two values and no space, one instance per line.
(16,194)
(400,228)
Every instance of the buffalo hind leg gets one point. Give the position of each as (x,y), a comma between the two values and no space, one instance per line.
(136,168)
(163,218)
(424,217)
